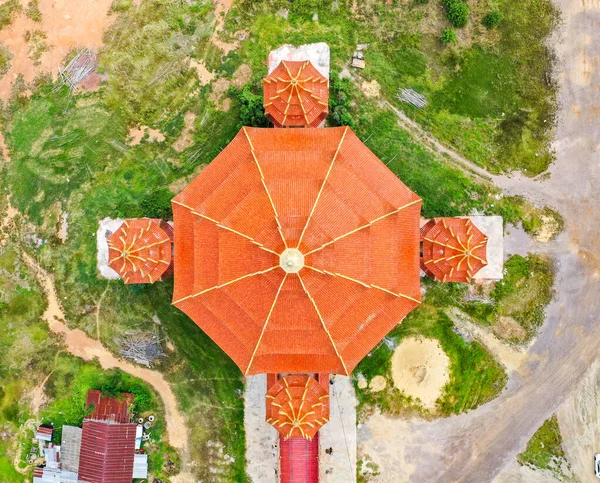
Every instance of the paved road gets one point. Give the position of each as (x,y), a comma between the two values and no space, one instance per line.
(475,447)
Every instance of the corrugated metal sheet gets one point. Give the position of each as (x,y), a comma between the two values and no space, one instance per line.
(140,251)
(299,460)
(140,466)
(454,249)
(296,95)
(113,409)
(107,452)
(324,192)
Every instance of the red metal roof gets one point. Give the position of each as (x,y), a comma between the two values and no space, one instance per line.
(296,95)
(454,249)
(107,452)
(297,406)
(140,251)
(113,409)
(296,250)
(44,430)
(299,460)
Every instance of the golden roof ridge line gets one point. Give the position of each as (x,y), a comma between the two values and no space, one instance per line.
(312,211)
(262,333)
(323,323)
(398,210)
(262,179)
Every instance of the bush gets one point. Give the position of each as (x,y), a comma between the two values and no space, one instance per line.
(339,100)
(421,2)
(493,19)
(457,11)
(157,204)
(252,111)
(448,36)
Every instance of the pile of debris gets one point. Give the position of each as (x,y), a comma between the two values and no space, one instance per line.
(358,59)
(78,69)
(412,97)
(142,347)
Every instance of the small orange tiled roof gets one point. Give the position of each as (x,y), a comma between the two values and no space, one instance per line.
(296,95)
(296,250)
(454,249)
(297,406)
(140,251)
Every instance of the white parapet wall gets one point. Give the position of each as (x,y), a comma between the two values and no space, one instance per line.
(339,435)
(318,54)
(493,228)
(262,439)
(106,227)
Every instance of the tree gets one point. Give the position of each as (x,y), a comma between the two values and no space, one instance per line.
(340,91)
(252,112)
(493,19)
(448,36)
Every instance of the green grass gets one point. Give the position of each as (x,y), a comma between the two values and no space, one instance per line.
(522,295)
(544,449)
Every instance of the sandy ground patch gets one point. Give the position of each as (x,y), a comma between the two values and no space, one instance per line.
(204,75)
(186,139)
(420,369)
(62,232)
(4,149)
(221,9)
(242,75)
(378,383)
(371,89)
(548,230)
(66,24)
(137,133)
(219,89)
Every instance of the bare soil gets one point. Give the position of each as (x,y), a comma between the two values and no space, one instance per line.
(137,133)
(204,75)
(186,139)
(420,369)
(66,24)
(378,383)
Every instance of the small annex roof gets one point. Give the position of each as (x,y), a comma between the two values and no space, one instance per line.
(296,250)
(297,406)
(296,95)
(140,251)
(110,409)
(454,249)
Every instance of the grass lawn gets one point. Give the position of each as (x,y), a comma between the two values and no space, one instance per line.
(544,449)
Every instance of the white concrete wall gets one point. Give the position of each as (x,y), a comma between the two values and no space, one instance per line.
(106,227)
(339,435)
(262,439)
(318,54)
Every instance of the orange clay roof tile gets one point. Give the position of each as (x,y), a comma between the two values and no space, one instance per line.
(297,406)
(454,249)
(296,95)
(140,251)
(296,250)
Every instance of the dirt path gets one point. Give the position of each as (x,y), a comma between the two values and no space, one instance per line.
(478,445)
(81,345)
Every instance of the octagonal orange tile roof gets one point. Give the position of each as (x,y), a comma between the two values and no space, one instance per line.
(140,251)
(296,95)
(296,250)
(297,406)
(454,249)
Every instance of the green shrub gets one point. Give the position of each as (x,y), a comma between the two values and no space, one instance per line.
(252,111)
(493,19)
(457,11)
(5,58)
(421,2)
(448,36)
(340,96)
(157,204)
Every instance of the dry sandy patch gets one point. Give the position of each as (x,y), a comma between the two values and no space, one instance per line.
(66,24)
(137,133)
(378,383)
(204,75)
(420,369)
(371,89)
(241,75)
